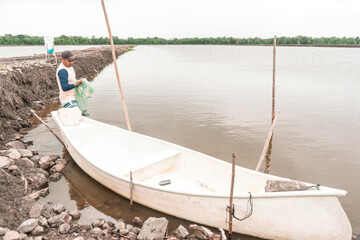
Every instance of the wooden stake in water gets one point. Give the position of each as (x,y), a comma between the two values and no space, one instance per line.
(131,190)
(116,68)
(33,112)
(231,193)
(273,87)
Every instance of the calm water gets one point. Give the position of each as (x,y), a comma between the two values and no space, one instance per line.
(217,100)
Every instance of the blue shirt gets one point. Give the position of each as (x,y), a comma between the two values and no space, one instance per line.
(64,82)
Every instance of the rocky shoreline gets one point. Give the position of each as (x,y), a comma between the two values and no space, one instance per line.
(24,178)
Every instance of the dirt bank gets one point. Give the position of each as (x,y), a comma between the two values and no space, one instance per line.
(29,82)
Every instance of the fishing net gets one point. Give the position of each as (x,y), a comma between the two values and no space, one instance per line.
(82,93)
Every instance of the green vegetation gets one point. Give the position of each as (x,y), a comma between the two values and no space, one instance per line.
(21,39)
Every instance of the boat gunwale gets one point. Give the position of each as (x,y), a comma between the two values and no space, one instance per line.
(324,192)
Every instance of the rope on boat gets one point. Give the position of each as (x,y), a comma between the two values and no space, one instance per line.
(247,213)
(250,204)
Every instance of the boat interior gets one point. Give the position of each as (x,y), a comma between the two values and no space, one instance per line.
(157,163)
(160,164)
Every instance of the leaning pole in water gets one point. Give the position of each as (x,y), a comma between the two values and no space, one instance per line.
(273,117)
(116,68)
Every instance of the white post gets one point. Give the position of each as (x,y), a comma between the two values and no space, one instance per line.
(49,47)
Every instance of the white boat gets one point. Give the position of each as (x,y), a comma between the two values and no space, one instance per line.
(199,185)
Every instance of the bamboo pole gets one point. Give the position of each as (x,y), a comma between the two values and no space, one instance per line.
(266,146)
(232,193)
(33,112)
(267,158)
(273,87)
(268,143)
(115,65)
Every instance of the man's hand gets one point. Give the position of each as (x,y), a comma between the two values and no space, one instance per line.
(78,82)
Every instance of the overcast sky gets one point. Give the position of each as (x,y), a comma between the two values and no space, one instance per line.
(182,18)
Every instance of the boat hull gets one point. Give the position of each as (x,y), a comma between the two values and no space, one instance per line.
(283,217)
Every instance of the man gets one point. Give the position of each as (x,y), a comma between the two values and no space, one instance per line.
(66,79)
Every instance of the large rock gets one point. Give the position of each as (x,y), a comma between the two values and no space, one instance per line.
(32,171)
(11,235)
(13,154)
(64,228)
(18,136)
(38,180)
(28,225)
(57,168)
(76,228)
(55,177)
(36,158)
(58,208)
(98,222)
(106,225)
(24,163)
(5,162)
(48,212)
(38,230)
(120,225)
(46,162)
(75,214)
(36,210)
(59,219)
(137,221)
(181,232)
(15,144)
(96,231)
(124,231)
(25,153)
(153,228)
(61,161)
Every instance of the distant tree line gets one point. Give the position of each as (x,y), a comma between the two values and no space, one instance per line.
(21,39)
